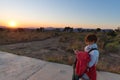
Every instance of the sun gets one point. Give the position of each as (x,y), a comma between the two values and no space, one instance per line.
(12,24)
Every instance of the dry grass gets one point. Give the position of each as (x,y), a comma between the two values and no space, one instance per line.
(25,36)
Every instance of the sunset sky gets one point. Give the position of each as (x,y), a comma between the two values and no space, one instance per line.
(60,13)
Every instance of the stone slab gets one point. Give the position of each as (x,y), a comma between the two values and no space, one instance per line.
(14,67)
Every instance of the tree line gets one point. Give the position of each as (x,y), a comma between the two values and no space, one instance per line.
(65,29)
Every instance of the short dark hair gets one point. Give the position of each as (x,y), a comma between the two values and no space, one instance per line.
(91,38)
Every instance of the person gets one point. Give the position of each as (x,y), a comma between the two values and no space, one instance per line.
(92,49)
(90,41)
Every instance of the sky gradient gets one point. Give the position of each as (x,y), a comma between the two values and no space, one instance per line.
(61,13)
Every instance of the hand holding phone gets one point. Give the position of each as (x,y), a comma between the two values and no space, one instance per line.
(75,51)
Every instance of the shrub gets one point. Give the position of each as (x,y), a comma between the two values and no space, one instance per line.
(112,47)
(111,33)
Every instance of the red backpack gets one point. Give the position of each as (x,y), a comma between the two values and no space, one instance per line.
(82,60)
(81,63)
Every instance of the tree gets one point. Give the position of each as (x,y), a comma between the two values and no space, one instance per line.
(98,29)
(68,29)
(57,29)
(79,29)
(40,29)
(2,29)
(20,29)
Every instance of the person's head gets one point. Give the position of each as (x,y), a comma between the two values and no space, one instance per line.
(90,39)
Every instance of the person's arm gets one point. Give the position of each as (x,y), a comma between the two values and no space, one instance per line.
(93,58)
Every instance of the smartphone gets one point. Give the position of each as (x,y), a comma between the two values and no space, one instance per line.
(75,50)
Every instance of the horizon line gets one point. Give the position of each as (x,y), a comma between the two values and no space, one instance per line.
(55,27)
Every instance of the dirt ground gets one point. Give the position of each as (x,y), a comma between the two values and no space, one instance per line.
(50,49)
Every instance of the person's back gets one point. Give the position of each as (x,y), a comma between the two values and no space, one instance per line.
(93,54)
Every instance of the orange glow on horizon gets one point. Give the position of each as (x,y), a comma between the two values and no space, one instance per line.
(12,24)
(36,24)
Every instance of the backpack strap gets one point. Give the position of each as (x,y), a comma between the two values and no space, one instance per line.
(92,49)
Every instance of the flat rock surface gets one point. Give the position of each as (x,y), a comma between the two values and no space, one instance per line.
(13,67)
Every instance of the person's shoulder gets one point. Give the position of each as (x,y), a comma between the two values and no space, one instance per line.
(87,48)
(94,52)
